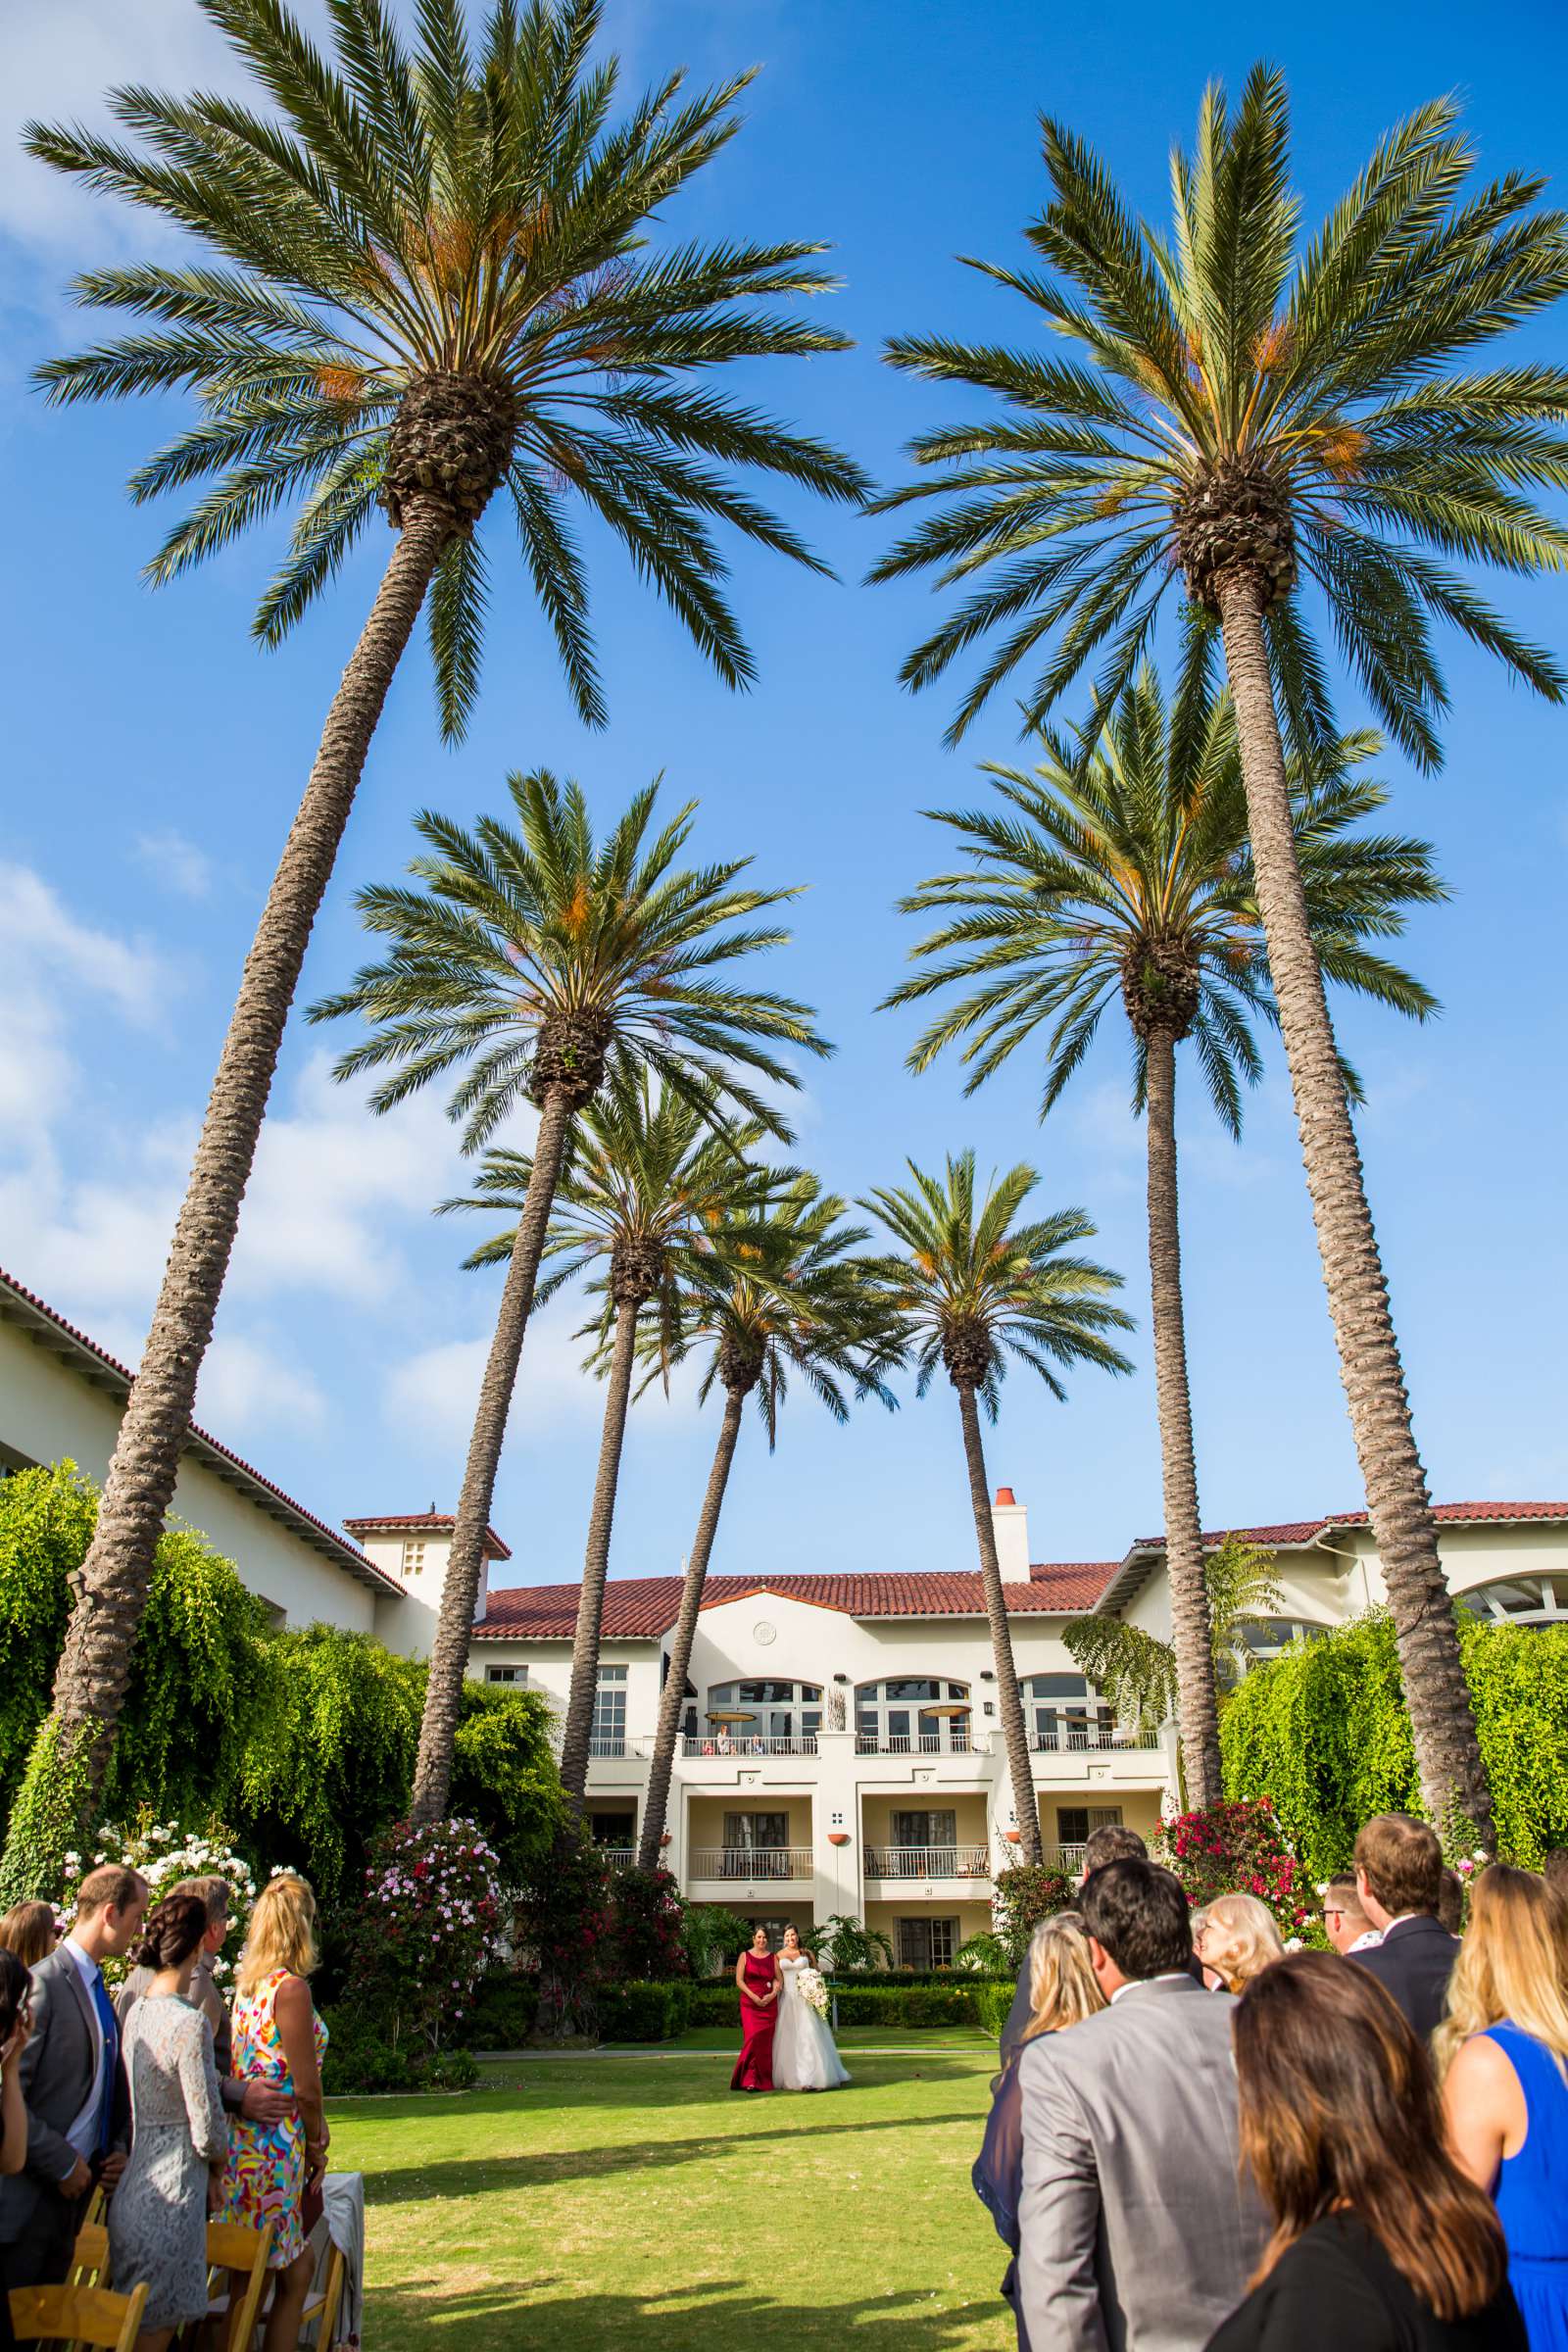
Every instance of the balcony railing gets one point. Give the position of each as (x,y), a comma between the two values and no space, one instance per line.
(927,1862)
(610,1744)
(708,1744)
(618,1857)
(1080,1738)
(1067,1858)
(921,1743)
(753,1864)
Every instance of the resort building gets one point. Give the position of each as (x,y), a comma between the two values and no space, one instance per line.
(840,1747)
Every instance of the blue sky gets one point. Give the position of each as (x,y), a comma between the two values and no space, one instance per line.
(154,759)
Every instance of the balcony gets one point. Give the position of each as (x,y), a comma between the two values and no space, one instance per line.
(618,1857)
(893,1862)
(922,1743)
(617,1744)
(1066,1858)
(1089,1739)
(751,1865)
(707,1743)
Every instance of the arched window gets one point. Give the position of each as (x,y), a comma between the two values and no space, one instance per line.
(912,1715)
(762,1718)
(1066,1713)
(1519,1600)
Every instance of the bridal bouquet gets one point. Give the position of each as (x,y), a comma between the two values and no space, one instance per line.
(811,1986)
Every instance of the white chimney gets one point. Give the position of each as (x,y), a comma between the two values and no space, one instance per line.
(1010,1523)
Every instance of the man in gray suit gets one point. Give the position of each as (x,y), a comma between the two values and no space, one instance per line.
(72,2084)
(1137,2233)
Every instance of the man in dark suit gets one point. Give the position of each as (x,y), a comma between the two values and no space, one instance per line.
(1399,1875)
(1109,1843)
(72,2084)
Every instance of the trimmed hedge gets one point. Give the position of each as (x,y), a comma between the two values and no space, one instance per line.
(501,2014)
(643,2012)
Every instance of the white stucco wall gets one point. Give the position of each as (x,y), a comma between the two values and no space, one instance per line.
(48,1412)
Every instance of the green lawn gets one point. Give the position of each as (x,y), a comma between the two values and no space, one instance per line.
(590,2201)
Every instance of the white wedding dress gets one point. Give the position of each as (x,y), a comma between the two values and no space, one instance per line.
(804,2057)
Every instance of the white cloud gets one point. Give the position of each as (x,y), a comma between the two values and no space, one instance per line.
(249,1383)
(178,862)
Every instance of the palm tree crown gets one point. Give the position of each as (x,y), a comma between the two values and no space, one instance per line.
(542,957)
(431,280)
(1247,407)
(976,1286)
(1113,872)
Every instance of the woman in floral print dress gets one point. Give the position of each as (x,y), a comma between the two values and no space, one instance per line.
(278,2039)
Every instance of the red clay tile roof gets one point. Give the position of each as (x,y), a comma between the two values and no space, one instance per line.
(643,1607)
(24,1306)
(400,1523)
(1304,1530)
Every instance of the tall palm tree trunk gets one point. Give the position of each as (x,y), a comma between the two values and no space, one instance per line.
(1014,1733)
(578,1734)
(672,1698)
(1443,1725)
(1192,1639)
(460,1590)
(95,1666)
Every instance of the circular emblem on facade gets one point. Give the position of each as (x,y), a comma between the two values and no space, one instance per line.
(764,1633)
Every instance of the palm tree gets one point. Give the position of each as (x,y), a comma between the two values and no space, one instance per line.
(1254,417)
(782,1294)
(1118,870)
(975,1287)
(536,961)
(430,281)
(1141,1676)
(648,1185)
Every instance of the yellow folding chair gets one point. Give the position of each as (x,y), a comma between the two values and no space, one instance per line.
(81,2315)
(242,2252)
(320,2312)
(89,2257)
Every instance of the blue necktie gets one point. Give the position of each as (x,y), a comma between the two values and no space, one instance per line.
(110,2033)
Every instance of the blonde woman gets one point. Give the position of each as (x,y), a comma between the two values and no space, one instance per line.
(1503,2052)
(1237,1940)
(1062,1992)
(278,2041)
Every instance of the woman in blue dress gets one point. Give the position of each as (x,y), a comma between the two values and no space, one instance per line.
(1504,2053)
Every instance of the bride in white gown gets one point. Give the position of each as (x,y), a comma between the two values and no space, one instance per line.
(804,2057)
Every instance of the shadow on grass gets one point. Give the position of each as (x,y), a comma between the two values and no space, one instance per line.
(721,2313)
(566,2083)
(474,2177)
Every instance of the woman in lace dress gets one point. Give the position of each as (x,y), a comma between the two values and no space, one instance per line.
(158,2212)
(804,2057)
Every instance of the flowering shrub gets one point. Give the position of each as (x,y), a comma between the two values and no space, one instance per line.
(425,1930)
(164,1854)
(1021,1897)
(567,1924)
(1237,1847)
(650,1914)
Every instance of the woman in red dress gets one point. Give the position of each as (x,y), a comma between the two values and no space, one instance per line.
(757,1975)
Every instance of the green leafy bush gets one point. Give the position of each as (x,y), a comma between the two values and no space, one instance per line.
(716,2005)
(634,2011)
(501,2014)
(1324,1733)
(919,2007)
(648,1916)
(1023,1896)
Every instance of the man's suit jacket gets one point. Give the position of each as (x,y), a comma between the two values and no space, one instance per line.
(1414,1962)
(1138,2232)
(58,2072)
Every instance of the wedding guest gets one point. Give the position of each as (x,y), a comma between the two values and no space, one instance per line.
(1399,1871)
(1451,1902)
(1502,2050)
(255,2098)
(1111,1842)
(15,2019)
(1137,2231)
(1381,2243)
(1063,1992)
(158,2214)
(1240,1939)
(758,1977)
(72,2082)
(28,1929)
(274,2169)
(1345,1923)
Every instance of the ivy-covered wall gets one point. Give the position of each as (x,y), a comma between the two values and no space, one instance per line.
(303,1744)
(1322,1732)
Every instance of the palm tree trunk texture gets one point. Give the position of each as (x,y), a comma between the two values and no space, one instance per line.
(460,1590)
(94,1665)
(579,1733)
(672,1698)
(1192,1636)
(1448,1753)
(1009,1704)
